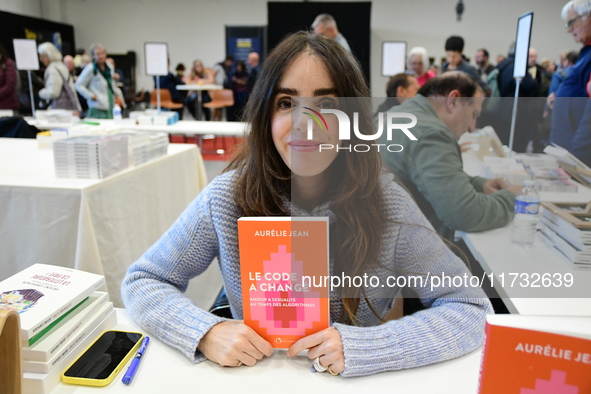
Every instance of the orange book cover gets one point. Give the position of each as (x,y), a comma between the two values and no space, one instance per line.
(279,259)
(517,360)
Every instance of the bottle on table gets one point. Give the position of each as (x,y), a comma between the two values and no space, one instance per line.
(525,222)
(117,113)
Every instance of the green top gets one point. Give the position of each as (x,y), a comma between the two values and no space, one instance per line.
(432,170)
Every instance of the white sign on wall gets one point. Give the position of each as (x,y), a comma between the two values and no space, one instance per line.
(524,26)
(156,58)
(25,54)
(393,58)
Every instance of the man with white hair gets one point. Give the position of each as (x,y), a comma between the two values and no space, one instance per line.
(571,121)
(326,26)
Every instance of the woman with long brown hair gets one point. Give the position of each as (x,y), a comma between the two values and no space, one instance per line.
(375,229)
(199,75)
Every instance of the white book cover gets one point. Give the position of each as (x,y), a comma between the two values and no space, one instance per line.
(42,294)
(584,234)
(71,344)
(45,383)
(56,338)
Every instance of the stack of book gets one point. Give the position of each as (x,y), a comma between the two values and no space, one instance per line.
(570,163)
(153,117)
(567,229)
(145,146)
(543,169)
(90,157)
(61,313)
(56,115)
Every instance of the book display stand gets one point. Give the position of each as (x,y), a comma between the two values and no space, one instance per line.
(10,353)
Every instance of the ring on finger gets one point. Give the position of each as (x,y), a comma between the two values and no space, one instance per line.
(330,371)
(317,366)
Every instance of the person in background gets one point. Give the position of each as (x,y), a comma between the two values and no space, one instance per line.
(484,67)
(400,87)
(375,228)
(180,80)
(326,26)
(500,58)
(538,73)
(435,69)
(239,85)
(78,58)
(548,65)
(418,62)
(180,73)
(252,61)
(8,82)
(169,82)
(119,77)
(97,85)
(85,60)
(500,119)
(571,118)
(69,62)
(431,167)
(199,75)
(567,60)
(222,72)
(56,75)
(454,53)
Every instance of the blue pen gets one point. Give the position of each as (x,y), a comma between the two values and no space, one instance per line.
(135,363)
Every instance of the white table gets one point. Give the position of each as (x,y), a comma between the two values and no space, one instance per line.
(100,226)
(496,254)
(187,127)
(166,370)
(199,88)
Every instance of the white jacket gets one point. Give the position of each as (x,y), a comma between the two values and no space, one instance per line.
(90,84)
(55,75)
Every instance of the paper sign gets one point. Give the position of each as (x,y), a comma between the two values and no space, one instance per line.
(25,54)
(393,58)
(156,58)
(522,44)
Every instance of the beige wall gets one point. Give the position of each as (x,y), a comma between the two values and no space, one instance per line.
(194,29)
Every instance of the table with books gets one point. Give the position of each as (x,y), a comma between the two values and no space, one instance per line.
(97,225)
(166,370)
(534,277)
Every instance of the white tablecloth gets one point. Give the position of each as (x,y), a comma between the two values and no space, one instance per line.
(100,226)
(166,370)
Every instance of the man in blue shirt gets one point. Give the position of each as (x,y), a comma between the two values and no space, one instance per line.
(571,121)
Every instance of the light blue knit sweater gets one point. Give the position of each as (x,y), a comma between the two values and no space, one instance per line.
(453,324)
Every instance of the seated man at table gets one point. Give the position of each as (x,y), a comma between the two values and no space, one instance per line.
(431,167)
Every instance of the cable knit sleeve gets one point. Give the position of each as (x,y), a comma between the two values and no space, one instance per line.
(152,290)
(452,326)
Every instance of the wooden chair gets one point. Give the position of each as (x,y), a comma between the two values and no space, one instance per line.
(11,369)
(165,99)
(220,99)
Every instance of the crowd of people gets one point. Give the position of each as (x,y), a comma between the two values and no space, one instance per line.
(554,109)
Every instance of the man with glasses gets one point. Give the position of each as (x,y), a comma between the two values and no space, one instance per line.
(571,121)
